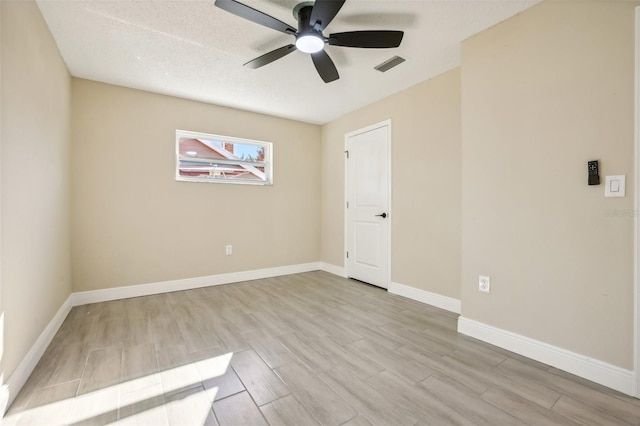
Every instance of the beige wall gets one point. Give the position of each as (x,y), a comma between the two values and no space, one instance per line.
(543,93)
(133,223)
(36,88)
(425,183)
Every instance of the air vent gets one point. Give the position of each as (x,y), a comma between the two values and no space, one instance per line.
(389,63)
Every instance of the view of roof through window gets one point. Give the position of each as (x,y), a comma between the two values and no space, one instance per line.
(211,158)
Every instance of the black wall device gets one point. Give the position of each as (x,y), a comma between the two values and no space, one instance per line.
(594,177)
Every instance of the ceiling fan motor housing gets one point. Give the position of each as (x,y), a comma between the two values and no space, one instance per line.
(308,39)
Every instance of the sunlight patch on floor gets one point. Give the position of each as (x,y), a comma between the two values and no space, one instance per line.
(148,399)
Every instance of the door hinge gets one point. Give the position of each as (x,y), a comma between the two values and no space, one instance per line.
(347,255)
(347,204)
(347,152)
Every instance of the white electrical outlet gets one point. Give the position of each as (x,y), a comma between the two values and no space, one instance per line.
(228,250)
(484,284)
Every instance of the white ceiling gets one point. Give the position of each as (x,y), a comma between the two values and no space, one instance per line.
(194,50)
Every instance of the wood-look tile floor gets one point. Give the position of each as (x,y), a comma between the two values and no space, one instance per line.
(306,349)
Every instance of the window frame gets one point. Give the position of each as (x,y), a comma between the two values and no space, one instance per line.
(267,163)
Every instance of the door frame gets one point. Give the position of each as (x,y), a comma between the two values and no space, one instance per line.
(387,124)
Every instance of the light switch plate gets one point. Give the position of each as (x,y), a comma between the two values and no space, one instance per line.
(614,186)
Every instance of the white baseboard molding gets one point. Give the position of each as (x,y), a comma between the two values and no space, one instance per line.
(4,400)
(20,375)
(433,299)
(333,269)
(105,295)
(591,369)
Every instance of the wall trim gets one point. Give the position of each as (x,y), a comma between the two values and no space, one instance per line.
(333,269)
(433,299)
(126,292)
(20,375)
(591,369)
(4,400)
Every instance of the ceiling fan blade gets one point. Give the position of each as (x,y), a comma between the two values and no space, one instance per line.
(325,66)
(324,11)
(253,15)
(367,39)
(267,58)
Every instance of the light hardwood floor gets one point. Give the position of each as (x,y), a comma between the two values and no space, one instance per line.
(304,349)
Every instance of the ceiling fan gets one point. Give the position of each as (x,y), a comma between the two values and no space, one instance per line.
(313,18)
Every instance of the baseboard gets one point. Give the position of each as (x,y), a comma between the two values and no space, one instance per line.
(333,269)
(105,295)
(433,299)
(4,400)
(20,375)
(591,369)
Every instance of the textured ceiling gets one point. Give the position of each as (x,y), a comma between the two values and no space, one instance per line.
(194,50)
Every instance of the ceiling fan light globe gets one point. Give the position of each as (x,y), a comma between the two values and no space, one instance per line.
(309,43)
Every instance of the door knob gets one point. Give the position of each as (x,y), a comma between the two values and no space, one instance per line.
(383,215)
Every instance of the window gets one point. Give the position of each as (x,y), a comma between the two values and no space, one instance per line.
(210,158)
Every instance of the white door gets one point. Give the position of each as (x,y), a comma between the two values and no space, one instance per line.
(368,226)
